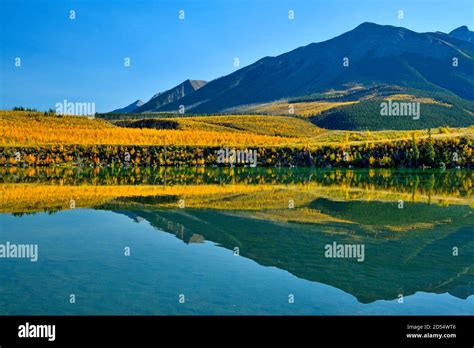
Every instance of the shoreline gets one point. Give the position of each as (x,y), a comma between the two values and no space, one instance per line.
(424,153)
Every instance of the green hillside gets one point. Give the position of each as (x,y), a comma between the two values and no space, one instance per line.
(366,115)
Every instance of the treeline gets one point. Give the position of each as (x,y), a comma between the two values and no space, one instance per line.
(366,115)
(21,108)
(111,116)
(148,123)
(434,153)
(50,112)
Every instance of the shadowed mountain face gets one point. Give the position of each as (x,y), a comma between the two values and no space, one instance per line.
(129,108)
(463,33)
(172,95)
(374,55)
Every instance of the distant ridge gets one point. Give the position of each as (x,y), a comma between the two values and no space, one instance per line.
(172,95)
(463,33)
(129,108)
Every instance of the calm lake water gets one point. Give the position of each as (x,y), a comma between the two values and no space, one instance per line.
(241,241)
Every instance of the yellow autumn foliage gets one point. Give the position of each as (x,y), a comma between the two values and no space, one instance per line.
(301,108)
(30,129)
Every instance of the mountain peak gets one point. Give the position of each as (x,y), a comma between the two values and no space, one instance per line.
(129,108)
(462,33)
(174,94)
(195,84)
(461,29)
(374,26)
(368,25)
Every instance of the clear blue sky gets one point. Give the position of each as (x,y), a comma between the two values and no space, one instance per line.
(83,59)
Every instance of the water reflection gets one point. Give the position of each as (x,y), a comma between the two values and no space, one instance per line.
(417,226)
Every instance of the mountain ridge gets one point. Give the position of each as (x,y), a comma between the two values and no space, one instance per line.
(377,54)
(462,33)
(171,95)
(129,108)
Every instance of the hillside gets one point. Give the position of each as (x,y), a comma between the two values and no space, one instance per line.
(172,95)
(16,127)
(262,125)
(377,55)
(231,130)
(366,114)
(129,108)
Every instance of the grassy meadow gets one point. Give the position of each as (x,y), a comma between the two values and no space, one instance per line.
(24,128)
(35,138)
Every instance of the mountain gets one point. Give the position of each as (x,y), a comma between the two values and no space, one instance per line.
(463,33)
(377,55)
(172,95)
(129,108)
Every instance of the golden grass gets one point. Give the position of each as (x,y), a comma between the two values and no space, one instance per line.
(261,125)
(19,128)
(30,129)
(413,98)
(346,138)
(301,108)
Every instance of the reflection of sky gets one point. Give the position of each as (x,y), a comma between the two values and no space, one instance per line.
(81,252)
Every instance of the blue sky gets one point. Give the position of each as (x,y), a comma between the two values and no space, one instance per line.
(83,59)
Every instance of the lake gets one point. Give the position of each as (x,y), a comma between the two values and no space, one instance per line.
(237,241)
